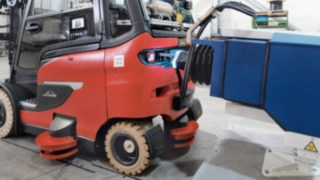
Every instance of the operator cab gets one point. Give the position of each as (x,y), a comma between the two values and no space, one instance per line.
(58,28)
(49,30)
(55,29)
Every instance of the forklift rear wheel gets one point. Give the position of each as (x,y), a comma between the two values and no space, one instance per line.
(127,148)
(6,115)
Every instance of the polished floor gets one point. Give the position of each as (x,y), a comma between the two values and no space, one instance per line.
(230,145)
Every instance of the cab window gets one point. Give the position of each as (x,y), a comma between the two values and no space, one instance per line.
(48,25)
(119,18)
(50,6)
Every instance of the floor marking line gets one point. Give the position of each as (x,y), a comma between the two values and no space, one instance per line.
(114,171)
(63,161)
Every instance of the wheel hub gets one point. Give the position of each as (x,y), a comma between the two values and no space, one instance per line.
(2,114)
(129,146)
(125,149)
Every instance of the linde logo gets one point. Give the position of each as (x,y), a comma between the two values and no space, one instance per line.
(50,94)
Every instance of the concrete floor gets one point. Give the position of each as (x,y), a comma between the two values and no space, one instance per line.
(230,145)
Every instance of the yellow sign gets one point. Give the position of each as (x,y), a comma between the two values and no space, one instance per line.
(311,147)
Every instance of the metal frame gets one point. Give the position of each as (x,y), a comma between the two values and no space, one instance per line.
(300,162)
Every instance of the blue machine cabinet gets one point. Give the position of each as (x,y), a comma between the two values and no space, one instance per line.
(280,75)
(244,71)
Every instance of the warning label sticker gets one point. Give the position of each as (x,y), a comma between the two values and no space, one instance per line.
(118,61)
(311,147)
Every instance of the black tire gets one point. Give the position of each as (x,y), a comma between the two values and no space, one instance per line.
(6,115)
(127,148)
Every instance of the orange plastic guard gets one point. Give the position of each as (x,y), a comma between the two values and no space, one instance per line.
(56,148)
(185,134)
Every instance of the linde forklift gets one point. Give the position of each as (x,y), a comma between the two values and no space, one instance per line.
(101,80)
(95,73)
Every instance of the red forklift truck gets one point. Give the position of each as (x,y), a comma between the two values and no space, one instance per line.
(94,74)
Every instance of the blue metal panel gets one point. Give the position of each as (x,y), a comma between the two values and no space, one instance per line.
(244,71)
(291,38)
(293,88)
(217,69)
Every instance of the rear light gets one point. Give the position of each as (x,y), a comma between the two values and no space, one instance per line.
(161,57)
(151,56)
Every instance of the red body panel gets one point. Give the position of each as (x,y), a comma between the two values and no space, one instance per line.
(87,104)
(131,90)
(109,92)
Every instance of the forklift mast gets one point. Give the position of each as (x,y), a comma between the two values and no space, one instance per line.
(16,10)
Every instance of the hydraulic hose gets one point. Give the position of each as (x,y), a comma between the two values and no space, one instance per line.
(200,65)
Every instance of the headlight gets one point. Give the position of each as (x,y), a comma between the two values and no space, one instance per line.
(166,58)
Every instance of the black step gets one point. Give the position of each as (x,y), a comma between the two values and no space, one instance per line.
(29,103)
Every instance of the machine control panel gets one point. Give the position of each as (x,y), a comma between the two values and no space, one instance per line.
(76,35)
(78,27)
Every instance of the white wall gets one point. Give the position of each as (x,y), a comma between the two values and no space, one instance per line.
(304,14)
(199,7)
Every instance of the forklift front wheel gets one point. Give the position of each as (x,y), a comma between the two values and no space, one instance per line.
(6,115)
(127,148)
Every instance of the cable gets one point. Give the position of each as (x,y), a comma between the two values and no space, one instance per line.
(194,67)
(238,6)
(5,26)
(183,9)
